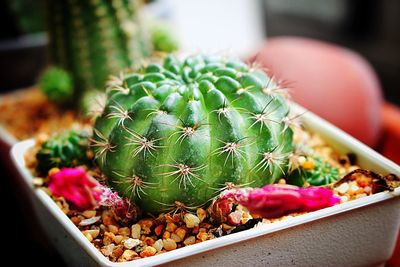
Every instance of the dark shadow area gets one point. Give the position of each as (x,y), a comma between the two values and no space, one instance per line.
(26,244)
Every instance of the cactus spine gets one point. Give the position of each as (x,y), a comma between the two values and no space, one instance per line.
(95,38)
(182,131)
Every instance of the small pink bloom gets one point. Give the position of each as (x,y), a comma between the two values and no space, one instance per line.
(273,201)
(76,187)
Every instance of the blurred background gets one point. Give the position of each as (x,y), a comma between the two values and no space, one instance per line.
(354,42)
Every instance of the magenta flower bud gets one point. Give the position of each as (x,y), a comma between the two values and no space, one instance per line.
(76,187)
(272,201)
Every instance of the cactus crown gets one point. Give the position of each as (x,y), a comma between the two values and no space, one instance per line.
(183,130)
(67,149)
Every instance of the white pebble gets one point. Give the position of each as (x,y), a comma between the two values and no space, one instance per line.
(108,250)
(367,189)
(131,243)
(354,187)
(135,231)
(191,220)
(344,199)
(158,245)
(343,188)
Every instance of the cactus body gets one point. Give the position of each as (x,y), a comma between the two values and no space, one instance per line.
(182,131)
(68,149)
(92,39)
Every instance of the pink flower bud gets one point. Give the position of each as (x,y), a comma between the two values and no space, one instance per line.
(272,201)
(76,187)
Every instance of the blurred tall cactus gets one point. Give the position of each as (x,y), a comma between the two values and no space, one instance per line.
(92,39)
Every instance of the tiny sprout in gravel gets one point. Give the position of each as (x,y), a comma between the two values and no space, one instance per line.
(180,131)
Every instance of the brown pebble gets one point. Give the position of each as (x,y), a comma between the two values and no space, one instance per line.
(117,252)
(113,229)
(148,252)
(189,240)
(125,231)
(171,227)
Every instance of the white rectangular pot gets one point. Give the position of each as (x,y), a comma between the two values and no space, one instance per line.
(357,233)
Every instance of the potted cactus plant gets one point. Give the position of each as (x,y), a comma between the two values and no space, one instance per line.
(192,160)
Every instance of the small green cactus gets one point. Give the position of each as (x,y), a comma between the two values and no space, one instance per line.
(316,171)
(163,39)
(57,85)
(182,131)
(68,149)
(92,39)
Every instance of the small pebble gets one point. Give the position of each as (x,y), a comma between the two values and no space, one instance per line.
(342,188)
(354,187)
(128,255)
(148,241)
(189,240)
(145,225)
(344,199)
(181,233)
(89,221)
(176,238)
(124,231)
(117,252)
(37,181)
(158,245)
(202,236)
(113,229)
(169,244)
(89,214)
(171,227)
(166,235)
(118,238)
(158,229)
(191,220)
(201,214)
(108,238)
(367,189)
(131,243)
(88,237)
(148,252)
(107,250)
(135,231)
(94,233)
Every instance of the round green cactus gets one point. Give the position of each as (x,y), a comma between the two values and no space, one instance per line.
(67,149)
(57,85)
(181,131)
